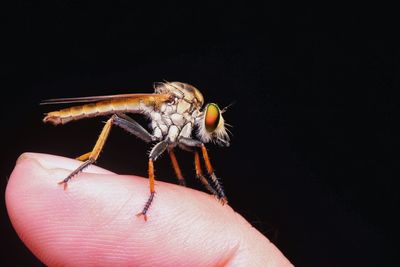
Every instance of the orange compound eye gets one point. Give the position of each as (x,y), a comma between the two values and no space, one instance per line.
(212,117)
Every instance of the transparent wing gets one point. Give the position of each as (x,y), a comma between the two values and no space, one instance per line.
(88,99)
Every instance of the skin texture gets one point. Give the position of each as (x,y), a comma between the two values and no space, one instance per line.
(93,222)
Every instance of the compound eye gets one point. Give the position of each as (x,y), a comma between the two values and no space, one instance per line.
(212,117)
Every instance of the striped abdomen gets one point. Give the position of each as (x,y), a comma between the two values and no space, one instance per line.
(143,104)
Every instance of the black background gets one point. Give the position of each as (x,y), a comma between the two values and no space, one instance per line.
(310,163)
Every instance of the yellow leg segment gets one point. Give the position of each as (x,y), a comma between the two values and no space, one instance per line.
(101,140)
(84,156)
(151,176)
(200,176)
(175,165)
(152,191)
(91,157)
(207,160)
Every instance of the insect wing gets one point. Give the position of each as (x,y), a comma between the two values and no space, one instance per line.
(88,99)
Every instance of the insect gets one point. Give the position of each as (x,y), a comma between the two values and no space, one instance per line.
(177,119)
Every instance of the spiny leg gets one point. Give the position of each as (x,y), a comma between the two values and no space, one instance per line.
(152,192)
(120,120)
(199,174)
(157,150)
(189,142)
(175,165)
(129,125)
(210,170)
(94,154)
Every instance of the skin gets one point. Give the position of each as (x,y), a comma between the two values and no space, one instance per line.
(93,222)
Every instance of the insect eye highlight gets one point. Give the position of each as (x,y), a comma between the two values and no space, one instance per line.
(212,117)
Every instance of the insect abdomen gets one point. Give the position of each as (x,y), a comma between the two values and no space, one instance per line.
(101,108)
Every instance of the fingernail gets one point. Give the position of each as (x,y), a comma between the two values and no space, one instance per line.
(28,156)
(23,157)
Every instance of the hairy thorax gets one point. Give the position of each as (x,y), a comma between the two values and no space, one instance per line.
(176,118)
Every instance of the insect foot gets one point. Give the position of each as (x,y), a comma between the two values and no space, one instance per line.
(142,214)
(146,206)
(64,183)
(223,200)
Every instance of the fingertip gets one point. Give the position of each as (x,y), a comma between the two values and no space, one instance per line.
(93,221)
(49,162)
(52,220)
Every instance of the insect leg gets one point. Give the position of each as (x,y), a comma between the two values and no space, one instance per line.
(128,124)
(197,165)
(199,174)
(84,156)
(175,165)
(157,150)
(94,154)
(210,170)
(189,142)
(195,143)
(131,126)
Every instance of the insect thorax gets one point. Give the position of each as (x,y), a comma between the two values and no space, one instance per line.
(176,118)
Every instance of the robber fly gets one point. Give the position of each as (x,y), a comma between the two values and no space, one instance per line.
(177,119)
